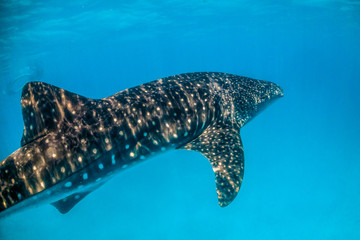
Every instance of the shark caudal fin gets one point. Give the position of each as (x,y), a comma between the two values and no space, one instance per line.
(221,145)
(44,107)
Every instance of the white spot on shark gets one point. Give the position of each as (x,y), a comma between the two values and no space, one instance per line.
(85,176)
(101,166)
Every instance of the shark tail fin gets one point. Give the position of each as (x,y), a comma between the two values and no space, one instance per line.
(44,107)
(220,143)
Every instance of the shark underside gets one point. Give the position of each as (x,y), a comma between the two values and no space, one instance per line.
(71,144)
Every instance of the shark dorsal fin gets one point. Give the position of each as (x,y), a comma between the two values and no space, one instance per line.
(220,143)
(44,107)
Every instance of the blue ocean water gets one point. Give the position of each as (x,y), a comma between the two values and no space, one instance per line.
(302,154)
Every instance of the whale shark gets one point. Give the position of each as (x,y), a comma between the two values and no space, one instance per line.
(71,145)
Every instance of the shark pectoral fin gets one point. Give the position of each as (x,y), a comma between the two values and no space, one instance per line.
(222,146)
(44,107)
(66,204)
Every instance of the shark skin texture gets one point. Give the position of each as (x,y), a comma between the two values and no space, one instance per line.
(71,144)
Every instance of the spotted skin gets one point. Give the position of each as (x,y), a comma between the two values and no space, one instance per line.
(71,144)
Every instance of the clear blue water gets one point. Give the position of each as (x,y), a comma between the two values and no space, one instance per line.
(302,154)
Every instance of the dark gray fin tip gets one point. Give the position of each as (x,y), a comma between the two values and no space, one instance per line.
(222,146)
(44,107)
(66,204)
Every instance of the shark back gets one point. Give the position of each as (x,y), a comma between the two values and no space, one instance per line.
(45,107)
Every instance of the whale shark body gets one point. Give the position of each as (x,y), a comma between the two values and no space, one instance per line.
(71,144)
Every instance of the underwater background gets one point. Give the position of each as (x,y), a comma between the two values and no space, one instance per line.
(302,154)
